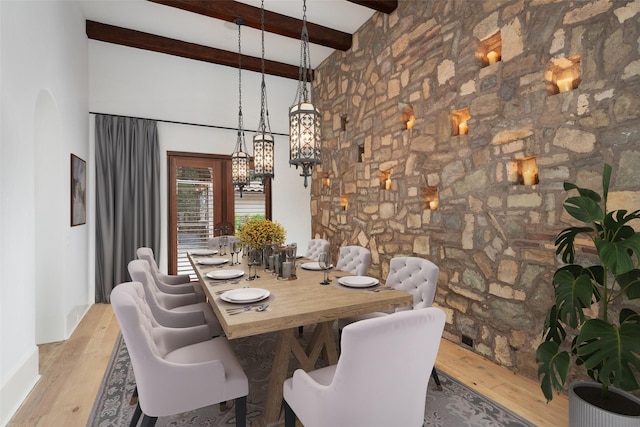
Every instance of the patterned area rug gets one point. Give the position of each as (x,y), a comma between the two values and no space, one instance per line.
(456,405)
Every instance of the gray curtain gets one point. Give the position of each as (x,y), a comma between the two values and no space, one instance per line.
(127,196)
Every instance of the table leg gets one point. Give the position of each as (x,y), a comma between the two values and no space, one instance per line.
(323,341)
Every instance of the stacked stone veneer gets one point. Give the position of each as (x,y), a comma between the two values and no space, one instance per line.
(492,239)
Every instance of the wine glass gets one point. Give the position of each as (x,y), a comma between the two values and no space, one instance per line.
(324,261)
(254,261)
(236,247)
(224,242)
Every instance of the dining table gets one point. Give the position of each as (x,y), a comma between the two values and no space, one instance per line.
(285,305)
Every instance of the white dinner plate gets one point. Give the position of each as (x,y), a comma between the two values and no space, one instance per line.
(312,266)
(203,252)
(245,295)
(358,281)
(213,261)
(225,274)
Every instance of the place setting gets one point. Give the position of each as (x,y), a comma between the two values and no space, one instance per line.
(246,300)
(359,282)
(203,252)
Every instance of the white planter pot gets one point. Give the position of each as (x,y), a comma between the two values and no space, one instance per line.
(584,414)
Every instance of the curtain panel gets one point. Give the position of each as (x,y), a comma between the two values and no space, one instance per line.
(127,196)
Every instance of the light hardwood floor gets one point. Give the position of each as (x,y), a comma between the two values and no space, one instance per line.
(71,373)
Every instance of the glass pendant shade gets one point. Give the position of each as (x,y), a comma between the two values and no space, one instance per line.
(263,155)
(304,134)
(240,166)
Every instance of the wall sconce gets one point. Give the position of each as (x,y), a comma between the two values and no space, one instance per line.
(430,194)
(344,202)
(490,50)
(527,170)
(459,125)
(385,180)
(563,74)
(408,118)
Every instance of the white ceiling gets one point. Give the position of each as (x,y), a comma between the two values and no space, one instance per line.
(178,24)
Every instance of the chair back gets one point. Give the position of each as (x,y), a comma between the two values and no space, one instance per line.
(354,260)
(163,388)
(417,276)
(315,248)
(382,375)
(139,271)
(146,254)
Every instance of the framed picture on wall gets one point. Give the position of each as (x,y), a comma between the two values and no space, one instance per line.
(78,191)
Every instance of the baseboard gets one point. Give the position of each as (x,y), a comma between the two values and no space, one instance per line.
(18,386)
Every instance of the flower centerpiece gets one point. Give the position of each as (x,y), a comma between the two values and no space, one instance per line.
(257,232)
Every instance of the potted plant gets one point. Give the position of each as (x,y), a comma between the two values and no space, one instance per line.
(606,342)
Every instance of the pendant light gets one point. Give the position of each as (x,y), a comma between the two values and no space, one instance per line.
(263,143)
(240,161)
(304,117)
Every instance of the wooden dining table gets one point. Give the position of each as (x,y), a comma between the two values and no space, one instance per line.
(292,303)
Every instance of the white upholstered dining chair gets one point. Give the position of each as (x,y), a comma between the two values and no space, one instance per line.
(354,260)
(171,284)
(415,275)
(380,379)
(315,248)
(170,310)
(176,370)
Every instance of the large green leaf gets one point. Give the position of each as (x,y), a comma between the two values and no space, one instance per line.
(606,179)
(553,329)
(630,283)
(565,242)
(615,349)
(583,191)
(584,209)
(617,256)
(572,295)
(553,368)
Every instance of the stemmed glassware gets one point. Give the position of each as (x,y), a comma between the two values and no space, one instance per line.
(254,261)
(223,242)
(236,247)
(324,261)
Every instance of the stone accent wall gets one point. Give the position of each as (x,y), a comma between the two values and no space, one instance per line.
(492,239)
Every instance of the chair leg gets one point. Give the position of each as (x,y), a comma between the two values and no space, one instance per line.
(289,415)
(434,374)
(241,411)
(136,416)
(148,421)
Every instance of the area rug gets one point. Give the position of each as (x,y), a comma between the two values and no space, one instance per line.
(456,405)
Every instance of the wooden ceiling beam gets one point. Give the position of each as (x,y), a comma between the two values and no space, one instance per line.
(137,39)
(273,22)
(384,6)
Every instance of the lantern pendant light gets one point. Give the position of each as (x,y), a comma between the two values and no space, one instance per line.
(304,117)
(240,161)
(263,142)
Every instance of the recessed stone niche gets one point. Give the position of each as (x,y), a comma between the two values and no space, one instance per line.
(490,50)
(360,153)
(408,118)
(344,202)
(524,171)
(343,123)
(459,125)
(326,182)
(430,195)
(562,74)
(385,180)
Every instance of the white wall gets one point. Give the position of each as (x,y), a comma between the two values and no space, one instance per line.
(44,284)
(137,83)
